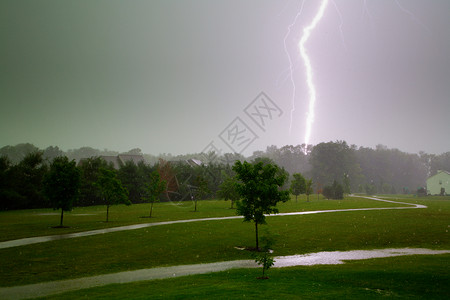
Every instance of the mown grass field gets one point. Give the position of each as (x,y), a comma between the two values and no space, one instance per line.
(212,241)
(39,222)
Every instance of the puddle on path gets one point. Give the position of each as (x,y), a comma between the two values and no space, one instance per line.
(338,257)
(320,258)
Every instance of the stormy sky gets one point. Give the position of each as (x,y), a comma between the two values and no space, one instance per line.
(187,76)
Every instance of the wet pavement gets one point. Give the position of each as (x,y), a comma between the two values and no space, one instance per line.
(320,258)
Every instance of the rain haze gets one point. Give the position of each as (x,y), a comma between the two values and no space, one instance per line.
(173,76)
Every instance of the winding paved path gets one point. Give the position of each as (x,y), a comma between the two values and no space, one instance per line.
(336,257)
(321,258)
(42,239)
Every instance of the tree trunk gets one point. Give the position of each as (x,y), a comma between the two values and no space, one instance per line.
(296,198)
(232,202)
(256,231)
(151,210)
(62,215)
(195,209)
(107,213)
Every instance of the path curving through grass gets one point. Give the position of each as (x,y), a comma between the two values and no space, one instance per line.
(321,258)
(43,239)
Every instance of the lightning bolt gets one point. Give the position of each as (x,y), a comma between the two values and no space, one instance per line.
(307,62)
(308,69)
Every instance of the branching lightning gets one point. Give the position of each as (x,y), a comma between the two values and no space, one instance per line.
(413,16)
(340,25)
(308,69)
(307,62)
(291,66)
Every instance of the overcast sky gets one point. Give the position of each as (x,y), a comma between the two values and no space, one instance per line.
(185,76)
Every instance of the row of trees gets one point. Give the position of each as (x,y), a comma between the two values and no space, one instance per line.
(379,170)
(36,183)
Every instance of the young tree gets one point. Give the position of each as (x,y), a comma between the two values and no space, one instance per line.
(264,258)
(228,191)
(298,185)
(154,188)
(308,189)
(201,189)
(259,187)
(61,184)
(111,190)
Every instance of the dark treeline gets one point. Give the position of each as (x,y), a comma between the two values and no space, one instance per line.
(199,176)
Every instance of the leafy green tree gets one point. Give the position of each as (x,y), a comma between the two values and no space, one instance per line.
(27,178)
(111,189)
(61,184)
(298,185)
(308,188)
(201,189)
(154,188)
(8,193)
(90,171)
(133,180)
(259,187)
(228,191)
(330,161)
(264,257)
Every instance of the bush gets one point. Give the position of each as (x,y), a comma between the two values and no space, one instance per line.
(334,191)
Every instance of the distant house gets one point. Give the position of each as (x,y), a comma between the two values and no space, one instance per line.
(439,184)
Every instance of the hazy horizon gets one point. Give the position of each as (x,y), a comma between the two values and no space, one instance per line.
(186,77)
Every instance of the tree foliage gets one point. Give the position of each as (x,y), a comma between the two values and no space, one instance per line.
(61,184)
(133,179)
(111,189)
(259,187)
(90,172)
(154,187)
(298,185)
(228,191)
(330,161)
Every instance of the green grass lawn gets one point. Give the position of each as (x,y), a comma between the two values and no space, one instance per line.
(39,222)
(212,241)
(410,277)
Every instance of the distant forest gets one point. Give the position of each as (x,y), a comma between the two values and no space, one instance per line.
(365,170)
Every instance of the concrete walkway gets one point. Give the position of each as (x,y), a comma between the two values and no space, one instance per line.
(320,258)
(42,239)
